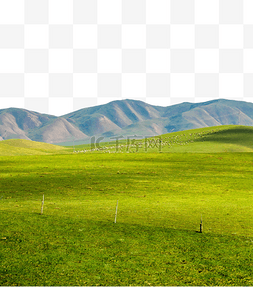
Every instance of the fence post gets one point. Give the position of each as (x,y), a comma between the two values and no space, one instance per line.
(42,205)
(201,225)
(116,212)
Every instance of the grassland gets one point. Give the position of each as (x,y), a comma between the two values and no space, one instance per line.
(155,241)
(204,140)
(17,147)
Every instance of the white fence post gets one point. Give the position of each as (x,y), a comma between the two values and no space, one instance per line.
(116,211)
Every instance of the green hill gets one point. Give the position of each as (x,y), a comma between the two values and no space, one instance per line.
(229,138)
(27,147)
(206,140)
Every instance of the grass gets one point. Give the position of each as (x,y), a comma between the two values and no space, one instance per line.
(162,197)
(204,140)
(17,147)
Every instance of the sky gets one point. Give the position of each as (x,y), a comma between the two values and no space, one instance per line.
(58,56)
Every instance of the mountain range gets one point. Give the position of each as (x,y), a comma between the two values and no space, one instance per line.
(123,117)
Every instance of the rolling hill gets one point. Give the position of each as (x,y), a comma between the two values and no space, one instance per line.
(227,138)
(125,117)
(27,147)
(205,140)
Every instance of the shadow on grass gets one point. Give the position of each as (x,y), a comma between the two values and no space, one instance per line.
(240,136)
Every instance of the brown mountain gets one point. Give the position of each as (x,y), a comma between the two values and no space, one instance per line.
(126,117)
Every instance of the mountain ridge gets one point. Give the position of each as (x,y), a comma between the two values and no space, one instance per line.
(122,117)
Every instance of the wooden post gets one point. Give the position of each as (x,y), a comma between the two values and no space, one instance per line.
(201,226)
(42,205)
(116,212)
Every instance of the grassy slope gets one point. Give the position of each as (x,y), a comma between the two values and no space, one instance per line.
(26,147)
(161,199)
(204,140)
(214,139)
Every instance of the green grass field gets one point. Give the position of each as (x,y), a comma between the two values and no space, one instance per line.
(205,140)
(25,147)
(161,196)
